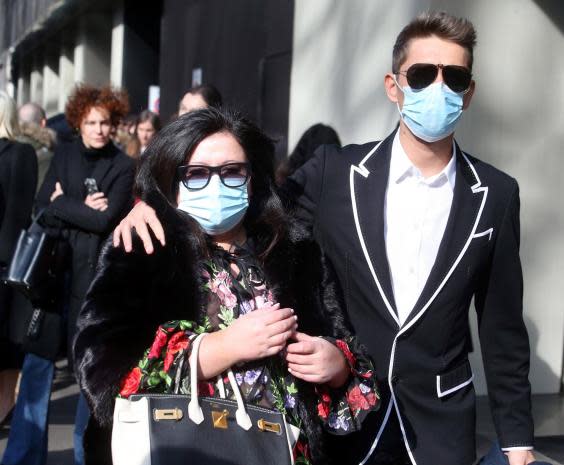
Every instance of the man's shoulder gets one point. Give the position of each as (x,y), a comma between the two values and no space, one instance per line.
(489,175)
(351,154)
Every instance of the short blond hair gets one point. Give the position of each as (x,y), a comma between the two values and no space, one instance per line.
(9,126)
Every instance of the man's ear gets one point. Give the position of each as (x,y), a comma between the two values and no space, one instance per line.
(391,87)
(468,95)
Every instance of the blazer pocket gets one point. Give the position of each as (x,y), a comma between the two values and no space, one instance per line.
(453,380)
(482,238)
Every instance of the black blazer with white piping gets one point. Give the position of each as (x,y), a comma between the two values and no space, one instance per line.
(424,362)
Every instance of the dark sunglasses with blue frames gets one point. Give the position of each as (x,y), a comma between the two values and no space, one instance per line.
(196,177)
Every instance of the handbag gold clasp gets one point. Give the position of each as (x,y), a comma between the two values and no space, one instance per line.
(220,419)
(264,425)
(167,414)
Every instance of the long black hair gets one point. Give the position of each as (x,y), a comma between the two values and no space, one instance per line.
(265,219)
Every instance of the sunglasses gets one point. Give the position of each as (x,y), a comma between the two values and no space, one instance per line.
(421,75)
(196,177)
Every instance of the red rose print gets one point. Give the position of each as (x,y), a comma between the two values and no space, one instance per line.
(169,358)
(301,449)
(343,346)
(357,400)
(324,405)
(179,341)
(158,344)
(130,384)
(205,389)
(371,399)
(323,410)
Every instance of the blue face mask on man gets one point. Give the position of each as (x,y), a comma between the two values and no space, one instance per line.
(216,207)
(432,112)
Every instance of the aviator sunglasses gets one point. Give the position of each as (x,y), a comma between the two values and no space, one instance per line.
(421,75)
(196,177)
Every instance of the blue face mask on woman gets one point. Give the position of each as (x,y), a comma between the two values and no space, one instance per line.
(216,207)
(432,112)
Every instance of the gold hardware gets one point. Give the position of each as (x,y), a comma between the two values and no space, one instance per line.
(168,414)
(220,419)
(264,425)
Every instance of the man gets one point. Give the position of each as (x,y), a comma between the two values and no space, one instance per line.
(34,131)
(199,97)
(417,228)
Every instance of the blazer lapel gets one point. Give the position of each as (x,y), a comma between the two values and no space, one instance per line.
(368,182)
(467,205)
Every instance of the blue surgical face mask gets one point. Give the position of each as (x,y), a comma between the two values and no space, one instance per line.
(216,207)
(431,113)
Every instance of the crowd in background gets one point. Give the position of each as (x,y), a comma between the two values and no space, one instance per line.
(76,171)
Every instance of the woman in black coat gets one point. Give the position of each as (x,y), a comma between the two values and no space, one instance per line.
(234,266)
(18,180)
(88,187)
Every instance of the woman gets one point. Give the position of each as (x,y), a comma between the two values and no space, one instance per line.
(235,266)
(18,180)
(86,191)
(147,125)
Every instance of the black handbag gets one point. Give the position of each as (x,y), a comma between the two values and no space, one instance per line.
(37,331)
(37,263)
(159,429)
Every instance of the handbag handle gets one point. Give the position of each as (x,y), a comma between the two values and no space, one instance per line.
(195,412)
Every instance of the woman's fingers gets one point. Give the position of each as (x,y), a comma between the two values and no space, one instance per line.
(281,338)
(298,359)
(302,373)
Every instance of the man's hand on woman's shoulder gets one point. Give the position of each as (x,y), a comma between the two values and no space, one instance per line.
(138,218)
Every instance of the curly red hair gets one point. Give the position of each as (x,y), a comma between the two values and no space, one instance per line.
(84,97)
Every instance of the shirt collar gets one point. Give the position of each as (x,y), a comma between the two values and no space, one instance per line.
(401,167)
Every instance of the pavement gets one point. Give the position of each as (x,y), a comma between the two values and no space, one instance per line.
(548,411)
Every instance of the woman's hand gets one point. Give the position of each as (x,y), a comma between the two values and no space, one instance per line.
(58,191)
(138,218)
(261,333)
(256,335)
(97,201)
(315,360)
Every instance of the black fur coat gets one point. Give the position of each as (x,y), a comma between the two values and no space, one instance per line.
(133,293)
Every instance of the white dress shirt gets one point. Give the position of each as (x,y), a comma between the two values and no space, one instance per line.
(415,216)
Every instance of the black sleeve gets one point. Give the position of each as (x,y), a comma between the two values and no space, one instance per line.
(76,213)
(303,189)
(503,335)
(19,201)
(112,324)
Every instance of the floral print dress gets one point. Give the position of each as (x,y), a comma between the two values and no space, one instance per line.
(264,382)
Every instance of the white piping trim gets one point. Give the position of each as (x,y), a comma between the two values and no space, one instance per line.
(380,431)
(451,390)
(475,189)
(392,358)
(487,232)
(360,169)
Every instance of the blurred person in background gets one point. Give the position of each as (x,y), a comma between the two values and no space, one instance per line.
(125,132)
(316,135)
(34,131)
(199,97)
(18,180)
(148,124)
(85,193)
